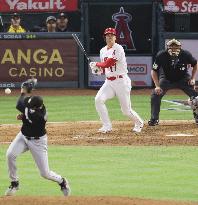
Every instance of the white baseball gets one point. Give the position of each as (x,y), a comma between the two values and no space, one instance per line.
(7,91)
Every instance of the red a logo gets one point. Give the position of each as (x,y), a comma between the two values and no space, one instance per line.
(124,34)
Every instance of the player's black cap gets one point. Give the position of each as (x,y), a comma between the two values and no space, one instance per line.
(35,102)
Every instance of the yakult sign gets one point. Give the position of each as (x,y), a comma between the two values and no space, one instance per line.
(37,5)
(181,6)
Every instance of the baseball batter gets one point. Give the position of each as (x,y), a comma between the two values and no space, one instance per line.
(32,137)
(113,65)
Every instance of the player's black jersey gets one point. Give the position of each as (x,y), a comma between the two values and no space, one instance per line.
(174,68)
(33,120)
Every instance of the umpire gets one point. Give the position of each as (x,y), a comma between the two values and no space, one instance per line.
(170,70)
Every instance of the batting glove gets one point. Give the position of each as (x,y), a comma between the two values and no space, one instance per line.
(29,84)
(95,69)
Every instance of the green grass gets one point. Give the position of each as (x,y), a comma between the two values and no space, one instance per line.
(82,108)
(146,172)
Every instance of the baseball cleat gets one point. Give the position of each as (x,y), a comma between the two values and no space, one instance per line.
(65,187)
(105,129)
(138,127)
(196,118)
(12,189)
(153,122)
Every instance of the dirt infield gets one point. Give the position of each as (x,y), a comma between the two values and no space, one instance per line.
(85,133)
(86,201)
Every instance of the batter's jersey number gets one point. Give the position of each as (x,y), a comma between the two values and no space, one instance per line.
(112,68)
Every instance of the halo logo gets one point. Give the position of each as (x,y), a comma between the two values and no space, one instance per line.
(124,34)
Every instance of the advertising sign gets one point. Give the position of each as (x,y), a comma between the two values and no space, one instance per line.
(38,5)
(181,6)
(47,60)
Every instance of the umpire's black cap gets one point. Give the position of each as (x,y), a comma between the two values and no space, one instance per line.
(35,102)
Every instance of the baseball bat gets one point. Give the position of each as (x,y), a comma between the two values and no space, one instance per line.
(81,46)
(1,20)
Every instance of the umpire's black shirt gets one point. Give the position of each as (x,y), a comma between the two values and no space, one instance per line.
(172,69)
(33,120)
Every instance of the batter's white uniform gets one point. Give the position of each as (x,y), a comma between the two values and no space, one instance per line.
(118,84)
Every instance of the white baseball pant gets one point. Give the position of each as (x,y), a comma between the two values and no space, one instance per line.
(120,87)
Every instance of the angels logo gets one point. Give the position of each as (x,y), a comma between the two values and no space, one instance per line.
(124,34)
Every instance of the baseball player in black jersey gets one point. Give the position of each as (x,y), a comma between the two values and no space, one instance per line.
(32,137)
(170,70)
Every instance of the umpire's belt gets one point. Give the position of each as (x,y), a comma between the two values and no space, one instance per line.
(114,77)
(32,138)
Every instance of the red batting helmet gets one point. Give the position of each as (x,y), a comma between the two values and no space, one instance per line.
(110,30)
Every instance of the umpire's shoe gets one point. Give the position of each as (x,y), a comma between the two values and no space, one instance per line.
(65,187)
(153,122)
(12,188)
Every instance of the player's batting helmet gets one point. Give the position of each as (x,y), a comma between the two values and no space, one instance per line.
(110,31)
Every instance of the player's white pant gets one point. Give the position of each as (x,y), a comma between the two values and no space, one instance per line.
(38,149)
(121,87)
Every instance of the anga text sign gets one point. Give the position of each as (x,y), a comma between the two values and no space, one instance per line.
(44,59)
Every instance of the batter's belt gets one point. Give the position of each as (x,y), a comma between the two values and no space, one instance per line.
(112,78)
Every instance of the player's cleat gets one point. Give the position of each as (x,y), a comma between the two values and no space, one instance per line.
(196,118)
(105,129)
(153,122)
(196,121)
(138,127)
(65,187)
(12,188)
